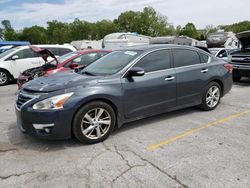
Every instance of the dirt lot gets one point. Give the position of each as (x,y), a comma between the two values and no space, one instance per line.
(186,148)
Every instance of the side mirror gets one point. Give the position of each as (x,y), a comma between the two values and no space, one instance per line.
(73,65)
(136,71)
(14,57)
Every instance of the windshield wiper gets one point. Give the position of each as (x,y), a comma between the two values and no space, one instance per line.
(88,73)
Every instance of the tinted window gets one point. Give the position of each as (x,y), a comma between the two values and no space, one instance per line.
(63,51)
(204,58)
(26,53)
(183,57)
(222,53)
(54,51)
(158,60)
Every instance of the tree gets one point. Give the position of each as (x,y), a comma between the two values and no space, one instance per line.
(147,22)
(189,30)
(58,32)
(34,34)
(128,21)
(236,27)
(104,27)
(1,34)
(79,30)
(8,32)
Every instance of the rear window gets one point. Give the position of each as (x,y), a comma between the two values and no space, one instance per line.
(185,57)
(204,58)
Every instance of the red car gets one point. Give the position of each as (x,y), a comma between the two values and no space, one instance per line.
(73,60)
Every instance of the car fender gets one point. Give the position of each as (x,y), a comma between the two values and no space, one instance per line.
(109,94)
(6,65)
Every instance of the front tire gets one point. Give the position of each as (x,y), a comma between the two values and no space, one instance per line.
(211,96)
(94,122)
(4,77)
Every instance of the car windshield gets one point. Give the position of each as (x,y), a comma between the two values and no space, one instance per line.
(64,57)
(2,55)
(111,63)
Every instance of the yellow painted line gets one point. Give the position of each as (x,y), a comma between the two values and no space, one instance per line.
(187,133)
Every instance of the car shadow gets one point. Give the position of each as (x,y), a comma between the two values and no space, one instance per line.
(27,142)
(20,140)
(155,119)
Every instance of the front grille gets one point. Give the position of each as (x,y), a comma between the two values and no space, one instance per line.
(23,98)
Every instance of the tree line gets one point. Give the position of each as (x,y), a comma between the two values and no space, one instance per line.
(147,22)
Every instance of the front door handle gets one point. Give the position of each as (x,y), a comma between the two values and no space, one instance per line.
(204,70)
(169,78)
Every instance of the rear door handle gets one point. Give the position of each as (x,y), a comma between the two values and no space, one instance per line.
(169,78)
(204,70)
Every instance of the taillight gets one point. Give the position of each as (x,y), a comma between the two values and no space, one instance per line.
(229,67)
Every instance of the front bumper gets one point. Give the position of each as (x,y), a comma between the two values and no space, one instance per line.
(58,123)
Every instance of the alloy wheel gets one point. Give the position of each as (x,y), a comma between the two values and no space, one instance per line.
(96,123)
(3,78)
(213,96)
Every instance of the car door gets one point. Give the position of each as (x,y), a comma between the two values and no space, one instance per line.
(23,60)
(192,72)
(153,92)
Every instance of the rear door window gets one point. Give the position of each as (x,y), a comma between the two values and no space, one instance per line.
(155,61)
(185,57)
(26,53)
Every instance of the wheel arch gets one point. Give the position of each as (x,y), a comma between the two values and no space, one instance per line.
(102,99)
(11,76)
(220,83)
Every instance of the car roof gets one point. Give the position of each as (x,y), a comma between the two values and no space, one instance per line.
(91,51)
(156,46)
(150,47)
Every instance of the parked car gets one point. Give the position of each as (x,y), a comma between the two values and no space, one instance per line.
(123,86)
(241,58)
(223,53)
(73,60)
(5,48)
(18,59)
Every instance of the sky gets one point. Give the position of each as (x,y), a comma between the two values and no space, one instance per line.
(25,13)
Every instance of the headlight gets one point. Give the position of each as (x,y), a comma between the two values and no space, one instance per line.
(53,103)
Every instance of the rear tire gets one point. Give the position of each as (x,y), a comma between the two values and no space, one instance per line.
(4,77)
(211,96)
(94,122)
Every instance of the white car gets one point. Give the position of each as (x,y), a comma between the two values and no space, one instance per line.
(5,48)
(16,60)
(222,53)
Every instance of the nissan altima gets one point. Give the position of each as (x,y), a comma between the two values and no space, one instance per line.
(123,86)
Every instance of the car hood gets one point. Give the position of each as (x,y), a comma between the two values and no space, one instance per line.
(244,38)
(59,81)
